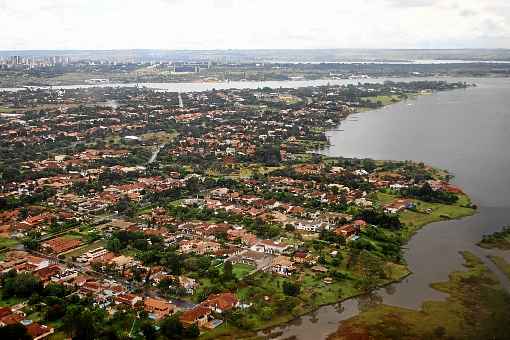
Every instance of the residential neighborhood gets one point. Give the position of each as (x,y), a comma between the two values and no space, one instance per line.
(197,214)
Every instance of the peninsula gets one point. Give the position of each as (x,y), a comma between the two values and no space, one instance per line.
(153,214)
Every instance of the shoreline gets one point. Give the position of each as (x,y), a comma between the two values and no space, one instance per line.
(473,285)
(267,331)
(375,289)
(154,85)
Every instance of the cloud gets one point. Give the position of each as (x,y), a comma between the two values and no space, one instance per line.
(412,3)
(467,13)
(223,24)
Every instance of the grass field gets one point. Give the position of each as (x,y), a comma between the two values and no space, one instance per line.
(159,137)
(241,270)
(7,243)
(414,220)
(385,100)
(9,301)
(6,109)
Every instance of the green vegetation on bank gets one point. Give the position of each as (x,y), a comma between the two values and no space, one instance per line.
(499,240)
(502,264)
(426,212)
(476,308)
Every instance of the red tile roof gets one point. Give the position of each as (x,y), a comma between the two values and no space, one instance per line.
(4,311)
(36,330)
(194,314)
(223,301)
(61,244)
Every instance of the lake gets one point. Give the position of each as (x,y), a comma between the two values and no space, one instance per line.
(207,86)
(465,131)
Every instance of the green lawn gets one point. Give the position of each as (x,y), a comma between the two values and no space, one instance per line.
(57,336)
(160,137)
(385,198)
(241,270)
(7,243)
(385,100)
(10,301)
(416,220)
(5,109)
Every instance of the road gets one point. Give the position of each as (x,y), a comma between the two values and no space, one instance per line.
(181,103)
(155,154)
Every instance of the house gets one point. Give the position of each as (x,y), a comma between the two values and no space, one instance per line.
(123,261)
(282,265)
(221,302)
(92,254)
(199,247)
(399,205)
(248,257)
(246,237)
(64,276)
(128,299)
(302,256)
(311,226)
(269,247)
(4,311)
(45,274)
(198,315)
(346,231)
(158,308)
(350,230)
(319,269)
(60,245)
(8,317)
(38,331)
(11,319)
(90,287)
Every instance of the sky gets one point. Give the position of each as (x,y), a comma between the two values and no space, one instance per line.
(253,24)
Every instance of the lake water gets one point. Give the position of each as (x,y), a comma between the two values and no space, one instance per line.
(465,131)
(207,86)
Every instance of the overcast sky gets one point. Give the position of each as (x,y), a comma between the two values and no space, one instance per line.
(239,24)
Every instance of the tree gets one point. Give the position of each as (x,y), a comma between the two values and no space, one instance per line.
(125,206)
(114,245)
(171,327)
(291,289)
(372,269)
(213,273)
(439,332)
(55,312)
(322,260)
(149,331)
(31,243)
(192,332)
(14,332)
(54,289)
(22,285)
(172,262)
(227,271)
(83,324)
